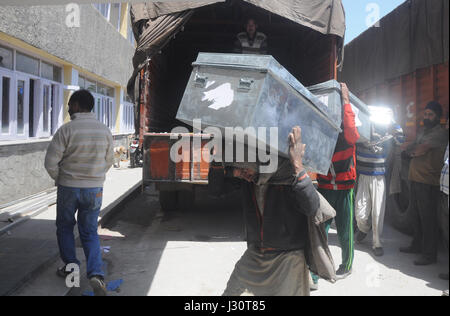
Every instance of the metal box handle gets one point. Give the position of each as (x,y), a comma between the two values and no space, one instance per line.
(200,81)
(245,84)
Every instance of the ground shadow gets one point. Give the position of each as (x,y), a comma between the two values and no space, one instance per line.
(140,234)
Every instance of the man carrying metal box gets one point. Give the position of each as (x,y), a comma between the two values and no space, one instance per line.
(338,186)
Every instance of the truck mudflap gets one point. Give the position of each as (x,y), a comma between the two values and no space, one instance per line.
(171,158)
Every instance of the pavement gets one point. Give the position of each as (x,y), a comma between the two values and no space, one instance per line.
(193,253)
(29,249)
(393,274)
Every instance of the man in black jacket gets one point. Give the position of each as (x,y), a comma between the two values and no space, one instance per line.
(276,210)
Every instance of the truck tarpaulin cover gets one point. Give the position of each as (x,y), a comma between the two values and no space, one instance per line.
(413,36)
(155,24)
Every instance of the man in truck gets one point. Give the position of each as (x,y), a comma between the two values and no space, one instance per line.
(251,41)
(80,154)
(427,156)
(276,207)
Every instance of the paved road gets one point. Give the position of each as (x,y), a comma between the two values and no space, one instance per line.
(193,252)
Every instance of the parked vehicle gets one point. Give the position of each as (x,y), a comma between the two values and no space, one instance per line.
(307,40)
(385,67)
(136,157)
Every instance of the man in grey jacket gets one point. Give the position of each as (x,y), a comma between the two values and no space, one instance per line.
(78,158)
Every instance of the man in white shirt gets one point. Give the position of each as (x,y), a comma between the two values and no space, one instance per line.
(78,158)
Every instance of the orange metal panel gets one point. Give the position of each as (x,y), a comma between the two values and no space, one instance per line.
(201,162)
(183,168)
(159,157)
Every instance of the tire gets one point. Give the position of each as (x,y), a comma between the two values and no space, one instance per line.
(186,200)
(168,200)
(399,207)
(133,160)
(139,159)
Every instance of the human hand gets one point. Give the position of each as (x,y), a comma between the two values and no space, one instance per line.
(296,149)
(244,174)
(345,94)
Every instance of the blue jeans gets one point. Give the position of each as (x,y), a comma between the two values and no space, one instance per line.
(88,203)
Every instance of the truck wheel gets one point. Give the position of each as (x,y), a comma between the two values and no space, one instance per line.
(168,200)
(186,200)
(399,207)
(133,160)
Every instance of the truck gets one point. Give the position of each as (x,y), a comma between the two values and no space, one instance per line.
(305,37)
(402,63)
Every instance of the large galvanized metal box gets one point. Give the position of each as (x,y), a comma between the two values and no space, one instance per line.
(330,94)
(248,91)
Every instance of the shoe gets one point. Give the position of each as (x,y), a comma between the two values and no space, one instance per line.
(443,276)
(410,250)
(62,273)
(424,262)
(378,252)
(342,273)
(98,285)
(314,287)
(445,293)
(360,236)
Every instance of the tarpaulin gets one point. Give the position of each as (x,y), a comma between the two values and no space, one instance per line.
(155,24)
(325,16)
(413,36)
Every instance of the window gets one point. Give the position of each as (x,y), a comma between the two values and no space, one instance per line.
(114,18)
(90,85)
(27,64)
(111,12)
(127,118)
(130,32)
(104,110)
(20,106)
(56,110)
(81,82)
(50,72)
(30,96)
(5,105)
(6,57)
(46,102)
(103,8)
(95,87)
(102,89)
(110,92)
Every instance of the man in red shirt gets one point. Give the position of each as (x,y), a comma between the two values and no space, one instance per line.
(338,186)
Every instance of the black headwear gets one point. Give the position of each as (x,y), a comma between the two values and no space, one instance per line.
(436,107)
